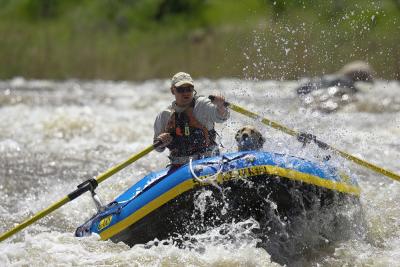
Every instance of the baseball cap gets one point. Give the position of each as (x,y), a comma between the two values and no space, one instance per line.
(181,78)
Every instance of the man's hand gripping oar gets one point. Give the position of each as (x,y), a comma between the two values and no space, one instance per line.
(88,185)
(307,138)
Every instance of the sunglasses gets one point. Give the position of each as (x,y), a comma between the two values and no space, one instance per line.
(184,89)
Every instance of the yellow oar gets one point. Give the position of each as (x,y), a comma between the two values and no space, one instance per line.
(308,138)
(82,188)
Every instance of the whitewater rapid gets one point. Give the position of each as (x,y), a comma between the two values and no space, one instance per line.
(56,134)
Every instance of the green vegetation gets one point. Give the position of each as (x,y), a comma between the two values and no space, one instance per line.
(141,39)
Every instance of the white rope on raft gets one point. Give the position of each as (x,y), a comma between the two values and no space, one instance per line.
(209,179)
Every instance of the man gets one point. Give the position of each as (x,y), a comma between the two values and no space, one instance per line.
(186,127)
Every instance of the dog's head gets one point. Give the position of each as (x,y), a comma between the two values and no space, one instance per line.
(249,138)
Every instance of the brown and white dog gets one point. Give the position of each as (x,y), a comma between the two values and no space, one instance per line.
(249,138)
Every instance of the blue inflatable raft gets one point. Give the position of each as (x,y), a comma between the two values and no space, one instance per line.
(242,185)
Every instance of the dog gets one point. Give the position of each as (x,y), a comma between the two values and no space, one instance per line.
(249,138)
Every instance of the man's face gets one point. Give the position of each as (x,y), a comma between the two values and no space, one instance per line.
(183,94)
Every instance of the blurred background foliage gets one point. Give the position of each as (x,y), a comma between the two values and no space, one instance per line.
(142,39)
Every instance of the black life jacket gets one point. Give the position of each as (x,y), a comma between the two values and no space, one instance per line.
(190,137)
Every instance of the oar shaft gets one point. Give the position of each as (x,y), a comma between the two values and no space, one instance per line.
(34,218)
(368,165)
(77,192)
(291,132)
(266,121)
(122,165)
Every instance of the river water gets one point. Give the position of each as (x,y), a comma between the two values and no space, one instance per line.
(54,135)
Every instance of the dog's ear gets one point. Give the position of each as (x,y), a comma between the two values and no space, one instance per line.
(237,136)
(261,140)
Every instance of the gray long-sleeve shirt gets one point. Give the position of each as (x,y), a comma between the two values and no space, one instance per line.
(204,111)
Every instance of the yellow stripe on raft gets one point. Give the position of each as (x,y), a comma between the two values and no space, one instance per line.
(245,172)
(152,205)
